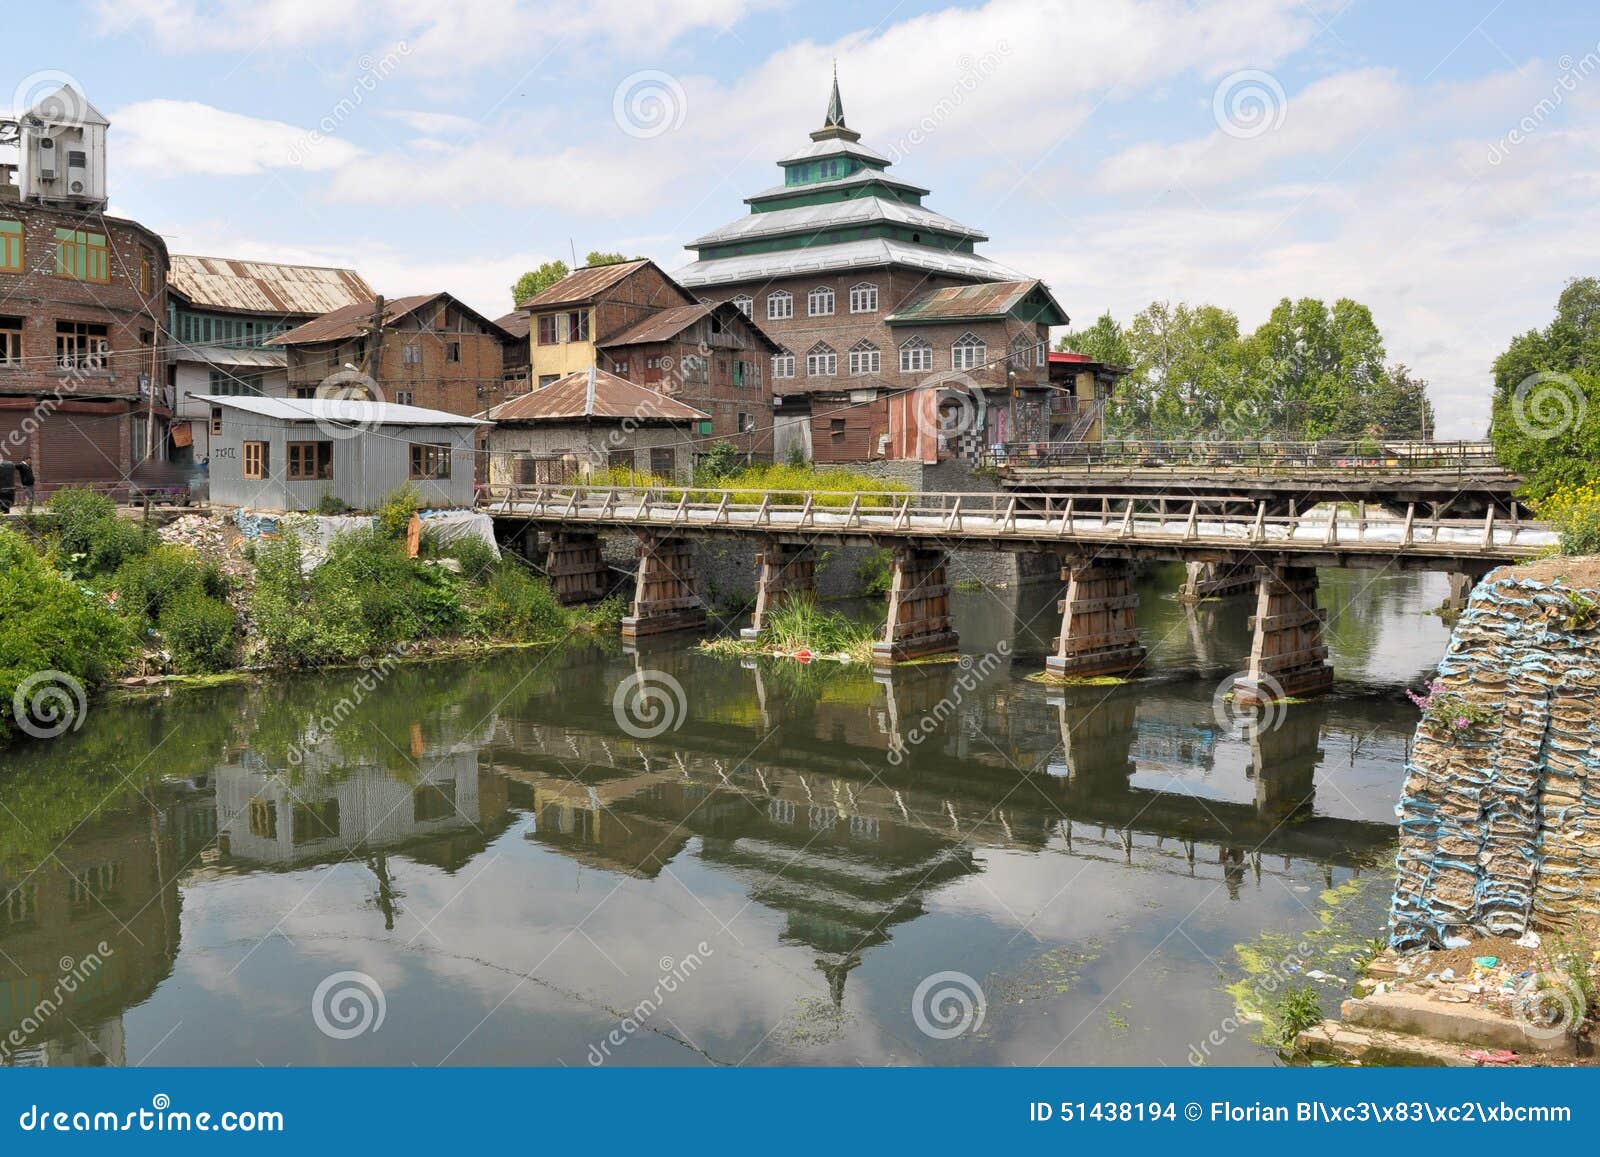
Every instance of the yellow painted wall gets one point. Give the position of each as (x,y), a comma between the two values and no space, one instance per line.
(562,358)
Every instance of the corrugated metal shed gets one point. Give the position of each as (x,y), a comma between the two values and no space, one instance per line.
(582,287)
(867,254)
(223,283)
(353,320)
(593,394)
(341,411)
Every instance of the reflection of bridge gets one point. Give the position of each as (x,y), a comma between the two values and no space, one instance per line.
(1460,478)
(1096,536)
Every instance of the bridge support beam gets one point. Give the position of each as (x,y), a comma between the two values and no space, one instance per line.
(1215,580)
(664,599)
(576,568)
(1288,658)
(786,571)
(919,609)
(1099,635)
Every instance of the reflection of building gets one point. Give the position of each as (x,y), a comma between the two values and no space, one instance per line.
(87,933)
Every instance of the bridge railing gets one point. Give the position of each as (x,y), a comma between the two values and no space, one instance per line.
(1224,521)
(1261,457)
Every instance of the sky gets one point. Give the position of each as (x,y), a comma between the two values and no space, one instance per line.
(1438,162)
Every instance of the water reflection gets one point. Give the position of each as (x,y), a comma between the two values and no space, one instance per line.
(835,836)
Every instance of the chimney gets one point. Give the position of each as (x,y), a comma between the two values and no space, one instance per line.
(8,185)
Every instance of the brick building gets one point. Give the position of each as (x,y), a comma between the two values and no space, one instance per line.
(83,363)
(632,320)
(886,315)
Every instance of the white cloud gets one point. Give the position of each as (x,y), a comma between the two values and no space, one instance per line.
(436,124)
(185,136)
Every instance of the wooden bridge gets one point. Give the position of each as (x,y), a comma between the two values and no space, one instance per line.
(1096,536)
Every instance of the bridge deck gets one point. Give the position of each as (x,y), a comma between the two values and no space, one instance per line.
(1161,528)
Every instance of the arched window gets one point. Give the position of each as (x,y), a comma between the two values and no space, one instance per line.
(969,352)
(744,303)
(780,305)
(916,357)
(1021,351)
(865,358)
(821,361)
(783,364)
(864,298)
(819,302)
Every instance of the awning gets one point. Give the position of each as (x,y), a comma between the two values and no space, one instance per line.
(216,355)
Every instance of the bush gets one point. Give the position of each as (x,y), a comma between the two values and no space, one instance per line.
(88,534)
(723,459)
(331,504)
(398,510)
(477,558)
(50,624)
(1575,512)
(519,605)
(199,631)
(146,583)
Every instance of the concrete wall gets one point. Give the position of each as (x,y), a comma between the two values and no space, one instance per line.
(366,468)
(589,446)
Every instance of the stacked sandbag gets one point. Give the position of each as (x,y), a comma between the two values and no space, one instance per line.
(1500,821)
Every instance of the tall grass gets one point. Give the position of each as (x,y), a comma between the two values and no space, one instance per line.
(799,624)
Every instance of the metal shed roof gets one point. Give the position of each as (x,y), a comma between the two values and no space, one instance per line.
(340,411)
(224,283)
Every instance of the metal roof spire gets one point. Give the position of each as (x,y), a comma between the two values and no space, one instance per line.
(835,105)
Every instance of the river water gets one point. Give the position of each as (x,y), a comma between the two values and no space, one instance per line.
(490,862)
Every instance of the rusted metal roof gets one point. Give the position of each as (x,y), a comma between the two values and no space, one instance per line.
(582,287)
(593,394)
(266,287)
(516,323)
(669,323)
(354,320)
(976,302)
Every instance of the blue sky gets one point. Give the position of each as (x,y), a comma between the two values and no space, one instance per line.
(1438,161)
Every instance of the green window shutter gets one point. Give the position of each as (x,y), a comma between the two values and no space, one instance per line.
(11,246)
(705,427)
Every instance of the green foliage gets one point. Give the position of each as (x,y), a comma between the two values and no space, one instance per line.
(398,510)
(1575,512)
(88,534)
(800,624)
(875,572)
(1547,428)
(600,257)
(477,558)
(516,604)
(1104,341)
(722,460)
(331,504)
(790,485)
(537,281)
(1299,1009)
(49,623)
(199,631)
(146,583)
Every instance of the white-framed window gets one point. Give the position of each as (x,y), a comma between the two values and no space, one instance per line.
(865,358)
(821,361)
(411,354)
(1041,351)
(780,305)
(968,353)
(864,298)
(819,302)
(1021,351)
(745,304)
(916,357)
(783,364)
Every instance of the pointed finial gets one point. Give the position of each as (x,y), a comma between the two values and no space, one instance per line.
(835,105)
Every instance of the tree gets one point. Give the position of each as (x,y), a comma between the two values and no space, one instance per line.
(537,280)
(1104,341)
(1545,423)
(596,257)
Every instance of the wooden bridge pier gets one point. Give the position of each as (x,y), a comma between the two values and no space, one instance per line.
(919,609)
(576,568)
(1288,658)
(1099,635)
(1216,580)
(784,571)
(664,598)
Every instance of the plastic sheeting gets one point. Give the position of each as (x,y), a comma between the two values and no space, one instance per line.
(1500,824)
(453,525)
